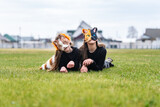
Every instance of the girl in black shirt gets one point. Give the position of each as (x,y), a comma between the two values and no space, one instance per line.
(66,57)
(93,53)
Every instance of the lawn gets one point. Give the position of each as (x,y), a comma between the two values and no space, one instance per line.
(134,81)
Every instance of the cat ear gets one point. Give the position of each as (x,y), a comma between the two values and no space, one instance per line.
(94,29)
(66,36)
(84,31)
(55,45)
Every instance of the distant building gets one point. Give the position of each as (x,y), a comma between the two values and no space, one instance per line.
(30,42)
(77,36)
(4,42)
(13,43)
(10,38)
(28,38)
(150,39)
(17,38)
(113,43)
(46,40)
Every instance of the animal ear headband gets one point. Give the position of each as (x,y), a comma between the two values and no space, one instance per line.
(66,36)
(90,34)
(55,45)
(58,43)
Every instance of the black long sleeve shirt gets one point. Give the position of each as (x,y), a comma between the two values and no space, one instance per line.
(67,57)
(98,56)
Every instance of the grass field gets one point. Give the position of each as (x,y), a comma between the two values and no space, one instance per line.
(134,81)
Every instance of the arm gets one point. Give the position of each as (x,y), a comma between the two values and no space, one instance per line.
(62,62)
(76,60)
(99,64)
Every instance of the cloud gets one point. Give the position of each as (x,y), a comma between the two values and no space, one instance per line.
(46,17)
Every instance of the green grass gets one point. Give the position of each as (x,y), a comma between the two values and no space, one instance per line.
(134,81)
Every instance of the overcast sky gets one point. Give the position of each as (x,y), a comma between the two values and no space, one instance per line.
(45,18)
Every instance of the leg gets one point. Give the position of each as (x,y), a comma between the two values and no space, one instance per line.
(108,63)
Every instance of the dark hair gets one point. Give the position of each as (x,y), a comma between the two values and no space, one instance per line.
(57,58)
(84,48)
(83,51)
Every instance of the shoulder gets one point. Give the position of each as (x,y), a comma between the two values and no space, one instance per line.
(101,45)
(102,50)
(75,49)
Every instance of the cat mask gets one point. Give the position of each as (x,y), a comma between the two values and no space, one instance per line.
(90,34)
(58,44)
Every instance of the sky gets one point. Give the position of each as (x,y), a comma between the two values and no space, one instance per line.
(44,18)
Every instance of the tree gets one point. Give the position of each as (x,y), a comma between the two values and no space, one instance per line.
(132,32)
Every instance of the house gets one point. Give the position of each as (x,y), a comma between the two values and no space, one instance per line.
(9,38)
(45,40)
(16,41)
(13,43)
(150,39)
(17,38)
(27,38)
(30,42)
(113,43)
(77,36)
(4,42)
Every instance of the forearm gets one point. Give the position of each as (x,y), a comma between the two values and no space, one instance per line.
(95,66)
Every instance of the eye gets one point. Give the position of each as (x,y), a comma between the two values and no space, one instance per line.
(93,34)
(88,35)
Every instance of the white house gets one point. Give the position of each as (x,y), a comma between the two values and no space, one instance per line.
(30,42)
(15,41)
(150,39)
(77,36)
(3,41)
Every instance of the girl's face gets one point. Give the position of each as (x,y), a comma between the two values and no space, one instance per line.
(91,42)
(65,41)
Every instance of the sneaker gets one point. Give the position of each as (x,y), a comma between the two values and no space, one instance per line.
(109,60)
(106,64)
(111,65)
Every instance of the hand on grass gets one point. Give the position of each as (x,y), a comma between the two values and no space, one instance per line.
(63,69)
